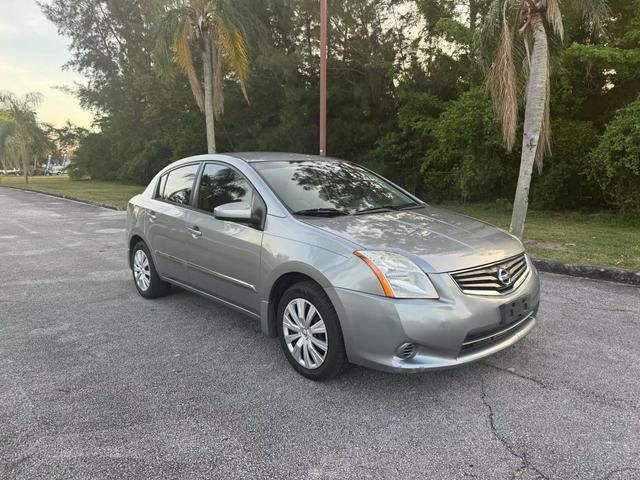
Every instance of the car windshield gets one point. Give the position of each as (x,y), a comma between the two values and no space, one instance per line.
(331,188)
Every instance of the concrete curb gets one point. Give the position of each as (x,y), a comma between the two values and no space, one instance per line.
(617,275)
(66,197)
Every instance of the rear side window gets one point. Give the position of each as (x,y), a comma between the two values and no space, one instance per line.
(178,185)
(220,185)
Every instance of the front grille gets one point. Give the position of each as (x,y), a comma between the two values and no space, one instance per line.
(496,279)
(485,339)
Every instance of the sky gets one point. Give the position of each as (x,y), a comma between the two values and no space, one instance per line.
(31,58)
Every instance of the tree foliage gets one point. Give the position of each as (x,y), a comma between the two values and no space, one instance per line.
(469,158)
(615,162)
(213,30)
(22,139)
(406,92)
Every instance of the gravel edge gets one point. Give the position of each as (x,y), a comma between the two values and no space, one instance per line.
(617,275)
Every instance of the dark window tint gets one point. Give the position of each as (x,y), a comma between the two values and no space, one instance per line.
(179,183)
(220,185)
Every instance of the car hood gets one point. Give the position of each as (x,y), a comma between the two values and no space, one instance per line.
(438,240)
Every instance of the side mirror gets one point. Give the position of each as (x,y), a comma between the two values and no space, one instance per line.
(236,211)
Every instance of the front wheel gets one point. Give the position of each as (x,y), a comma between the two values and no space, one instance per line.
(146,278)
(309,332)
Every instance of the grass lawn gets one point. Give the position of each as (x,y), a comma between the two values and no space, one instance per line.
(112,193)
(589,238)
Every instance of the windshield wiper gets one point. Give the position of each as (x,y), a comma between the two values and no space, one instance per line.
(321,212)
(411,206)
(375,210)
(387,208)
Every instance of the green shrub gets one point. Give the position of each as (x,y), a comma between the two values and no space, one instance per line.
(400,153)
(142,168)
(94,159)
(77,173)
(469,161)
(615,163)
(563,183)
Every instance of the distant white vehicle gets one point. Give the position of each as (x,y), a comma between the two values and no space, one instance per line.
(15,171)
(55,170)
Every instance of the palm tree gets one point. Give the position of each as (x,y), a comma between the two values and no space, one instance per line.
(20,132)
(7,127)
(212,27)
(523,29)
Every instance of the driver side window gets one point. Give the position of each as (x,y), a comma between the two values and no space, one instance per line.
(219,185)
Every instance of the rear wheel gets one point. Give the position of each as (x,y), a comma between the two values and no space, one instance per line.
(309,332)
(145,276)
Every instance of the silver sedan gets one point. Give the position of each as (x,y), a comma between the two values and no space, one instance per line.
(337,262)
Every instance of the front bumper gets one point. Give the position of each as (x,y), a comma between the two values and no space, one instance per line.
(374,326)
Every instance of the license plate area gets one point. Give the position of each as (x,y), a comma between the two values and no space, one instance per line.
(514,311)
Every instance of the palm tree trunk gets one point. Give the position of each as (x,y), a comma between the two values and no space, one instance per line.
(207,63)
(25,161)
(533,120)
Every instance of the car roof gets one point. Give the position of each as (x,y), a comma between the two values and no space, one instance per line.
(251,157)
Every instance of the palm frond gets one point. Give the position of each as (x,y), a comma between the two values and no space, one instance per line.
(19,127)
(503,85)
(232,45)
(242,14)
(168,27)
(32,100)
(22,110)
(184,59)
(486,37)
(554,18)
(595,12)
(7,128)
(215,29)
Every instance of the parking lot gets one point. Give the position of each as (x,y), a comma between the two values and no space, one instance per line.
(97,382)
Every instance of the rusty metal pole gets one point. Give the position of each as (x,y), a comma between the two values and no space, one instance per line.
(324,21)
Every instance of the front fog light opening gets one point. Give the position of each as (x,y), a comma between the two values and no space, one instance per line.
(406,351)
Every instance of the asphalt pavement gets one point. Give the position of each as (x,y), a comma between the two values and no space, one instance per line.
(99,383)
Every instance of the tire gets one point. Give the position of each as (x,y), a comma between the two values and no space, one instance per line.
(149,285)
(296,338)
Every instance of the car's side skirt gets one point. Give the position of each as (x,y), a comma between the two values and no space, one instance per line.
(212,297)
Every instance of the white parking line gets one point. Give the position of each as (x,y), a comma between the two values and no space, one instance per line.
(28,230)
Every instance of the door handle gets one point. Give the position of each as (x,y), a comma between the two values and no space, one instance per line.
(152,216)
(195,231)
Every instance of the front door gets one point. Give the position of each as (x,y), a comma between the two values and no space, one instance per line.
(224,256)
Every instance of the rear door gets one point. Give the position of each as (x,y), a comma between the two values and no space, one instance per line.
(166,221)
(224,256)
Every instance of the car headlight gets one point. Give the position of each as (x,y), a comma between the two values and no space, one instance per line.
(398,276)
